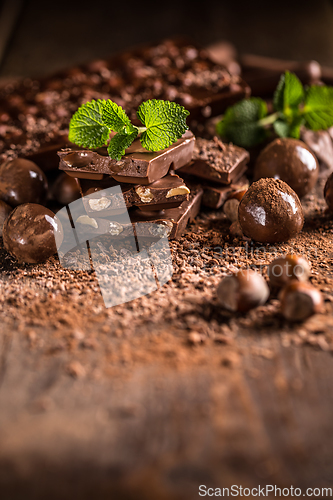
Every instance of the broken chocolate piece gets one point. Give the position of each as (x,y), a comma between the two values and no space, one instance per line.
(168,192)
(169,222)
(217,161)
(138,166)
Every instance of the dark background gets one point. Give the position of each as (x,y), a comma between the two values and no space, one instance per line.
(49,36)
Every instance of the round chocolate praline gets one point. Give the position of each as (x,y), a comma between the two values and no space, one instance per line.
(30,233)
(291,161)
(65,189)
(22,181)
(4,212)
(328,192)
(270,212)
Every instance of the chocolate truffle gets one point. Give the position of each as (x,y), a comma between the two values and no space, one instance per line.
(328,192)
(65,189)
(4,212)
(22,181)
(270,212)
(30,233)
(291,161)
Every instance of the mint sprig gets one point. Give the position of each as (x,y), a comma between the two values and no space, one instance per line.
(163,123)
(247,122)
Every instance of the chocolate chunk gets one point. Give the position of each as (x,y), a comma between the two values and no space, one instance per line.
(30,233)
(169,222)
(270,212)
(22,181)
(291,161)
(168,192)
(215,196)
(138,166)
(217,161)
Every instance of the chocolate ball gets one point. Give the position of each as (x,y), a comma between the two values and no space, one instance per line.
(32,233)
(328,192)
(22,181)
(291,161)
(270,212)
(65,189)
(4,212)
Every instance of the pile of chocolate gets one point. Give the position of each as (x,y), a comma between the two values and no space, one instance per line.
(165,188)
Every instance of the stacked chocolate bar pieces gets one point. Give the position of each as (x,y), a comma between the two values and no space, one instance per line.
(151,190)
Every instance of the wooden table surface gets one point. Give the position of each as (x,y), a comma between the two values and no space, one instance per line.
(257,412)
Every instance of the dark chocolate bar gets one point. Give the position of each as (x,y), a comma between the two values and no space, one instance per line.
(138,166)
(215,196)
(36,112)
(217,161)
(170,222)
(168,192)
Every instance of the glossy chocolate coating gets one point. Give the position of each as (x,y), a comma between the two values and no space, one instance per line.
(328,192)
(270,212)
(291,161)
(4,212)
(30,233)
(65,189)
(22,181)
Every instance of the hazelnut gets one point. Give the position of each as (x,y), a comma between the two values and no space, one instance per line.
(99,204)
(230,207)
(300,300)
(242,291)
(285,269)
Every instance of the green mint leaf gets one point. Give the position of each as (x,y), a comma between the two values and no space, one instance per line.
(318,108)
(120,142)
(165,122)
(289,94)
(87,127)
(241,123)
(114,116)
(282,128)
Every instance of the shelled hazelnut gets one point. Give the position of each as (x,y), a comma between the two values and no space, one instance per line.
(285,269)
(300,300)
(242,291)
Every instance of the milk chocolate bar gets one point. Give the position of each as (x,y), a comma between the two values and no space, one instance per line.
(170,222)
(217,161)
(138,166)
(168,192)
(36,112)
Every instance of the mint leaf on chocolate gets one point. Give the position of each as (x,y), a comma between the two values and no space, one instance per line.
(87,127)
(242,123)
(318,108)
(120,142)
(114,116)
(164,122)
(247,123)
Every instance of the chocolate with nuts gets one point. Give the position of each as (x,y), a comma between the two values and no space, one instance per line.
(165,193)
